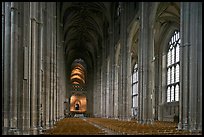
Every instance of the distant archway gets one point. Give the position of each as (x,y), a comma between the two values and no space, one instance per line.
(78,103)
(77,106)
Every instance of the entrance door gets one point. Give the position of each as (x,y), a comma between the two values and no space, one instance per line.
(77,107)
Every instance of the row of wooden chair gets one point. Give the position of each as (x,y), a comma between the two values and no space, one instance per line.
(134,128)
(74,126)
(78,126)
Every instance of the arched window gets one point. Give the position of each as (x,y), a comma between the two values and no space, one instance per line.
(173,68)
(135,91)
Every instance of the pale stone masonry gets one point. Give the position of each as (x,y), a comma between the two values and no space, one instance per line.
(40,40)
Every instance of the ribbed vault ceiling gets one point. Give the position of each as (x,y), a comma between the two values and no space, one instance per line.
(83,24)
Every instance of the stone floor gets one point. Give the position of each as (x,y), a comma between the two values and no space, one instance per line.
(104,126)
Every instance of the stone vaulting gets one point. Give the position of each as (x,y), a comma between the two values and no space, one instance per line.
(100,60)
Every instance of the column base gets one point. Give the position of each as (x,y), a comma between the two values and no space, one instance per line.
(40,130)
(185,126)
(180,126)
(5,130)
(25,132)
(146,121)
(200,127)
(51,124)
(195,128)
(140,121)
(34,131)
(125,118)
(13,131)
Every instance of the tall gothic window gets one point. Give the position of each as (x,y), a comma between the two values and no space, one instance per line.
(135,91)
(173,68)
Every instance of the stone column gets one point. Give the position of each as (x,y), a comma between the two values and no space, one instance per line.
(2,55)
(47,66)
(184,68)
(104,78)
(119,64)
(26,36)
(195,83)
(116,102)
(94,82)
(126,91)
(96,92)
(40,82)
(20,71)
(59,65)
(6,67)
(111,72)
(61,76)
(107,82)
(154,78)
(55,60)
(14,67)
(117,90)
(43,68)
(34,66)
(145,73)
(51,104)
(58,44)
(89,95)
(129,86)
(57,92)
(64,83)
(99,88)
(114,68)
(190,111)
(157,92)
(102,92)
(106,63)
(51,27)
(129,69)
(119,83)
(116,81)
